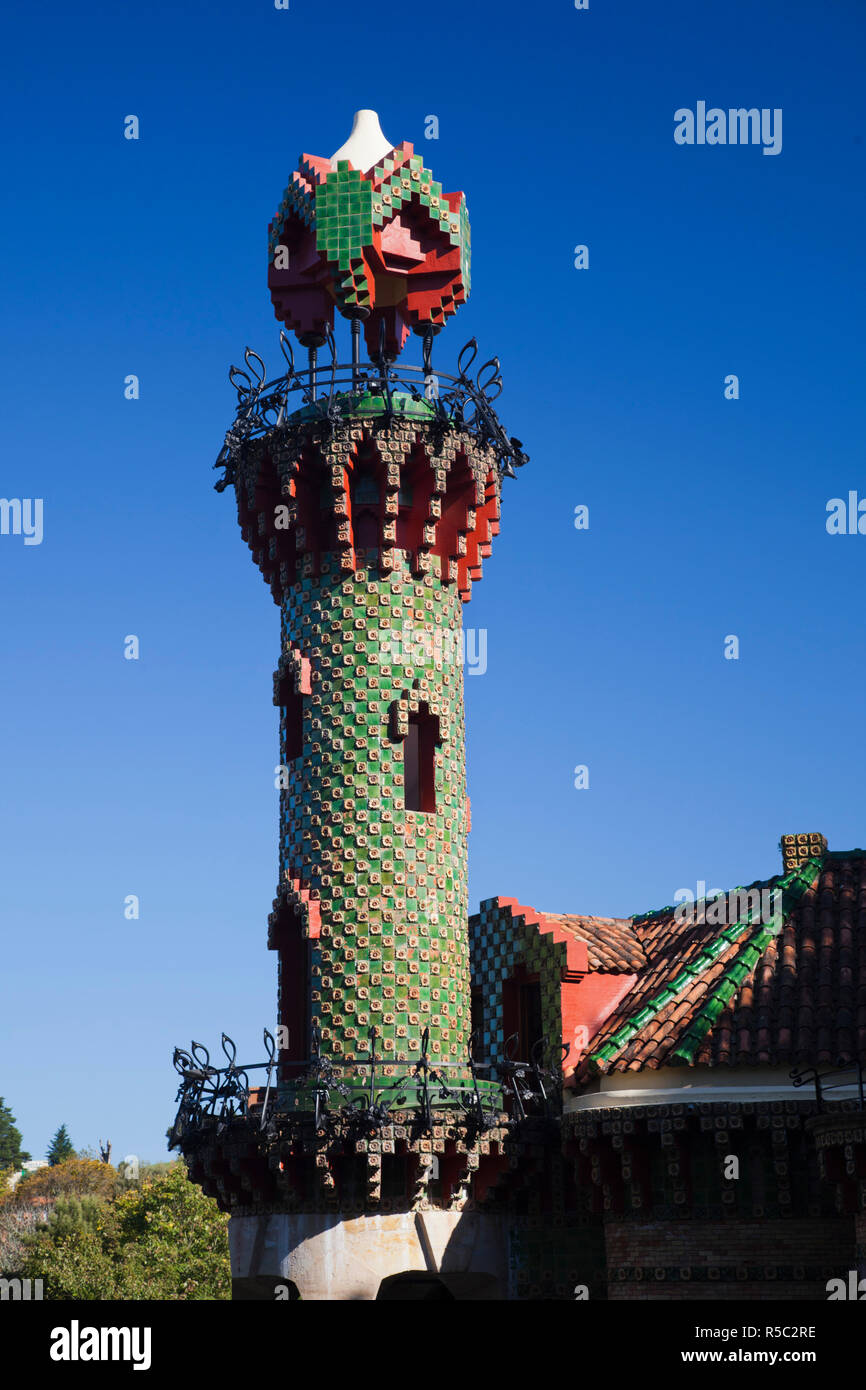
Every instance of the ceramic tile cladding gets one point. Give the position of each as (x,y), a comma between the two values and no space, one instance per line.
(388,245)
(389,942)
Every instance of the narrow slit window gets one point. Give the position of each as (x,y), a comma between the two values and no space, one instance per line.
(294,1016)
(365,512)
(530,1026)
(419,763)
(292,706)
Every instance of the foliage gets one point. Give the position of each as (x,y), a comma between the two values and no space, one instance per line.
(60,1148)
(17,1221)
(76,1177)
(155,1170)
(11,1153)
(73,1215)
(159,1239)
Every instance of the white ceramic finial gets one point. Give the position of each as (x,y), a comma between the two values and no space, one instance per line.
(366,145)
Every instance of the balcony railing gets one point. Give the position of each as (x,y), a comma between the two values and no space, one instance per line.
(331,1093)
(848,1078)
(329,390)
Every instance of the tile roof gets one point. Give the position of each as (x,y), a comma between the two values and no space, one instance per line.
(745,994)
(613,945)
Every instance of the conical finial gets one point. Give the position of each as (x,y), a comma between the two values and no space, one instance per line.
(367,144)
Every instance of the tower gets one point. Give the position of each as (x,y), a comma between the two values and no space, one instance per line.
(369,494)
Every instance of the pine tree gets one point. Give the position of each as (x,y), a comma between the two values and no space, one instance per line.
(74,1215)
(60,1148)
(11,1153)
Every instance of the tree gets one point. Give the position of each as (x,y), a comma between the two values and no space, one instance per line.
(72,1215)
(61,1200)
(60,1148)
(11,1153)
(76,1177)
(18,1223)
(160,1239)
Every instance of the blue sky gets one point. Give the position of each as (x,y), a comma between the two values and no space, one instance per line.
(605,647)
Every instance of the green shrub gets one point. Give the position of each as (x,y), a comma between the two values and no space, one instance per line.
(158,1239)
(74,1177)
(74,1215)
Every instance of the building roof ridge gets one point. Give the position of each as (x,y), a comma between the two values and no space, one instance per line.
(793,885)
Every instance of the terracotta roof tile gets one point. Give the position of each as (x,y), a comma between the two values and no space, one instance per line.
(799,997)
(612,943)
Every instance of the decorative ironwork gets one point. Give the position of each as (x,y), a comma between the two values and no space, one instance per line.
(220,1094)
(210,1096)
(456,402)
(852,1076)
(525,1080)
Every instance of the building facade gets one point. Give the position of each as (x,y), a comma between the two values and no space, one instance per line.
(514,1104)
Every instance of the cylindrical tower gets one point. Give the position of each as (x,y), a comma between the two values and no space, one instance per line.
(369,495)
(372,533)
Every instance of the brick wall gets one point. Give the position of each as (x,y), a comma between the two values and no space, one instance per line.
(705,1260)
(550,1260)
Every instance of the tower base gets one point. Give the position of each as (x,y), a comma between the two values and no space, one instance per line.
(410,1254)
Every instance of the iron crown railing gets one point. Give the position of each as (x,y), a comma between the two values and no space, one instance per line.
(210,1095)
(455,402)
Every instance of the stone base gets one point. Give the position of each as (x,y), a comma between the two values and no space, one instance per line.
(448,1254)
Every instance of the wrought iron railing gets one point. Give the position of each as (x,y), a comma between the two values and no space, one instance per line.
(826,1081)
(220,1094)
(210,1096)
(455,402)
(526,1079)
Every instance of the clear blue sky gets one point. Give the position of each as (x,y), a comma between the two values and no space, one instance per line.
(604,648)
